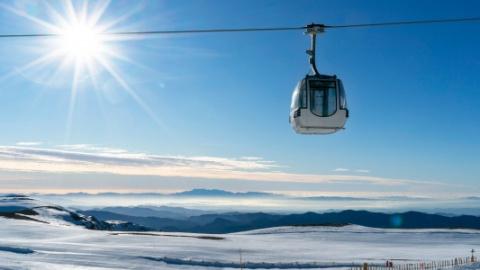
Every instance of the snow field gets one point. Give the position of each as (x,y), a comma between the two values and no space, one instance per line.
(57,246)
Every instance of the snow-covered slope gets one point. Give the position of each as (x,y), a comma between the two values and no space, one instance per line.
(30,209)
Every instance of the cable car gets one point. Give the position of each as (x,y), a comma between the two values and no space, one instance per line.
(319,103)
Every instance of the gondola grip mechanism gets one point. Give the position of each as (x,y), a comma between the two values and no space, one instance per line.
(313,29)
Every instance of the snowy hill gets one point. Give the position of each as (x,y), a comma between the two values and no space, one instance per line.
(27,208)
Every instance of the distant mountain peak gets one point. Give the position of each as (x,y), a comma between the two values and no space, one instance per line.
(219,193)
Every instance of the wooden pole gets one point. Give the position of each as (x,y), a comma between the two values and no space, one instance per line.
(241,266)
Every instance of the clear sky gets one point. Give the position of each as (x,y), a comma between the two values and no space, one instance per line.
(163,113)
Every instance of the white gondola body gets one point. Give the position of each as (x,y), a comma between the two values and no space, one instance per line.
(319,105)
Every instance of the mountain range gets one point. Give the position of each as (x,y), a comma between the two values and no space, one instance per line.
(237,222)
(177,219)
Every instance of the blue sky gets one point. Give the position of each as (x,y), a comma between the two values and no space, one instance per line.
(174,112)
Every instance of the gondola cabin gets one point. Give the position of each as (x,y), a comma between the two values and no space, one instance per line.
(319,105)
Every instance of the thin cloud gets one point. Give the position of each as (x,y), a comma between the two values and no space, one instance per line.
(29,143)
(91,147)
(252,158)
(362,171)
(77,160)
(340,170)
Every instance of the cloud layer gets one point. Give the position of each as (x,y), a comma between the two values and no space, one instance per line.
(93,159)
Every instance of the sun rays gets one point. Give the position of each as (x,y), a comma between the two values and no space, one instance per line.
(79,53)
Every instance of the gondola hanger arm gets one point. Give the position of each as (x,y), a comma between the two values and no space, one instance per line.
(313,30)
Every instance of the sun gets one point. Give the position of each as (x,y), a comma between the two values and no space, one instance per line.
(81,41)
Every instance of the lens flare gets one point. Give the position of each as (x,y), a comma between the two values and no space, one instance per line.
(396,221)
